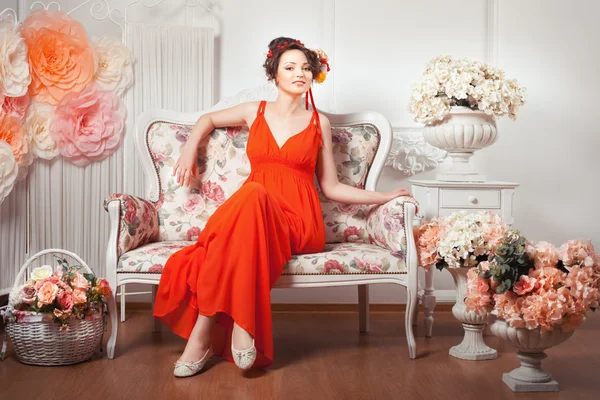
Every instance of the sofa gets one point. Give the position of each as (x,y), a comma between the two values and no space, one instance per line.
(366,244)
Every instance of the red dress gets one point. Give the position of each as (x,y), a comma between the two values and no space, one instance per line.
(241,251)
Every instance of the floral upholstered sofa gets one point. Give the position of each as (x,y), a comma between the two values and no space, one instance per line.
(365,244)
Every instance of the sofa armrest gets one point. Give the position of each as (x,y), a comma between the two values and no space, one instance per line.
(136,224)
(385,224)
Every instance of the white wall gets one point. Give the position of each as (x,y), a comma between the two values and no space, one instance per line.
(378,50)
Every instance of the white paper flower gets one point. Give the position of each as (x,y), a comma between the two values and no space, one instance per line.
(115,64)
(37,130)
(14,68)
(8,170)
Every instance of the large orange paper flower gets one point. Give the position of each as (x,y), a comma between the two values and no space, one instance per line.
(11,132)
(61,58)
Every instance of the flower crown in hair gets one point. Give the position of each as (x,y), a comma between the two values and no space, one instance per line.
(323,59)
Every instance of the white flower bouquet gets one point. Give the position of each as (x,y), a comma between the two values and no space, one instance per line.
(449,82)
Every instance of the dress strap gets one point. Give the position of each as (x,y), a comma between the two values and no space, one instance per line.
(315,117)
(261,108)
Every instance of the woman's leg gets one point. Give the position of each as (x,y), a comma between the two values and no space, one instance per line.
(200,339)
(242,340)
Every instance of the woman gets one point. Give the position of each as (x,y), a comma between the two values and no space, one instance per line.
(216,293)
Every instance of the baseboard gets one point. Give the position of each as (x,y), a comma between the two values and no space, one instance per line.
(315,307)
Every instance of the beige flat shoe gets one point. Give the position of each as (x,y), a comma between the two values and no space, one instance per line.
(184,369)
(244,359)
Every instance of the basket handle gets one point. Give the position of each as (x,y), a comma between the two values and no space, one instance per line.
(49,251)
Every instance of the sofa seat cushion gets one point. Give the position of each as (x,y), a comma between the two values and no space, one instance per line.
(338,258)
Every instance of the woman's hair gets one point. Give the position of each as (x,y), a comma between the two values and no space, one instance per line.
(282,44)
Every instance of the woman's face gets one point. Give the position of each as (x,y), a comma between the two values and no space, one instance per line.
(293,73)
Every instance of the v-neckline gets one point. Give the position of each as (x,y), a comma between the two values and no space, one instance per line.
(280,148)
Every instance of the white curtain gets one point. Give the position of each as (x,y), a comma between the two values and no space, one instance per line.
(174,70)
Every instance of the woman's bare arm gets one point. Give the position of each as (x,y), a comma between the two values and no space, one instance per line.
(238,115)
(337,191)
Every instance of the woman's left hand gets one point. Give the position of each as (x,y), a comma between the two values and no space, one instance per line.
(397,193)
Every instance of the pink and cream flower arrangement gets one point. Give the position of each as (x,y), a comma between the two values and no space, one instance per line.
(459,240)
(59,93)
(536,285)
(62,295)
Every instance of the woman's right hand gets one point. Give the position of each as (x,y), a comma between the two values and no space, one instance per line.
(185,167)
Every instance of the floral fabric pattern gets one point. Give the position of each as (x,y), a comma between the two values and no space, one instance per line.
(354,149)
(385,224)
(138,224)
(222,167)
(338,258)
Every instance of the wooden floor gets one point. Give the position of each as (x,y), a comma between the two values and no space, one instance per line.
(317,356)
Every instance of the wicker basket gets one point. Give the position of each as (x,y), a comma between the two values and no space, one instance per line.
(38,341)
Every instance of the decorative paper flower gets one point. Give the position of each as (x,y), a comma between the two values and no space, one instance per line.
(14,68)
(12,133)
(324,59)
(115,64)
(60,56)
(37,131)
(8,170)
(87,126)
(16,106)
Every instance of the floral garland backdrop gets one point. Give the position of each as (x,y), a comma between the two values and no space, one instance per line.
(60,93)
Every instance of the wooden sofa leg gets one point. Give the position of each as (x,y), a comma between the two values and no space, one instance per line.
(429,301)
(156,322)
(363,308)
(123,303)
(411,305)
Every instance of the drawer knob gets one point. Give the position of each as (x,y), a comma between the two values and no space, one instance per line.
(473,199)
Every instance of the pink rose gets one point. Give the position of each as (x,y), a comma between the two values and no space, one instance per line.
(352,234)
(28,294)
(79,297)
(349,209)
(79,282)
(194,204)
(47,293)
(16,106)
(333,266)
(104,288)
(192,233)
(87,126)
(65,301)
(156,269)
(130,212)
(213,192)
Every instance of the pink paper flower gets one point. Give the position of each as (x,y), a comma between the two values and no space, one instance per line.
(544,255)
(79,282)
(524,285)
(16,106)
(427,238)
(87,126)
(577,252)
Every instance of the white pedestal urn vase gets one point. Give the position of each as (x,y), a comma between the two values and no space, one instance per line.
(531,343)
(461,133)
(472,347)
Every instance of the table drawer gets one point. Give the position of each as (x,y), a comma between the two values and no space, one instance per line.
(457,198)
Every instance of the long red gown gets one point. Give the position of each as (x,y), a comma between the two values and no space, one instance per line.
(241,251)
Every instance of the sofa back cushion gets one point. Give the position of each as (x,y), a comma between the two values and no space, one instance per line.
(222,167)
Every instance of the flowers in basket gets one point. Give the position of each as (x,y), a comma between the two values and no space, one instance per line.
(60,296)
(532,285)
(449,81)
(459,240)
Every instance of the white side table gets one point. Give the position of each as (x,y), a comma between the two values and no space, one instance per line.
(440,199)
